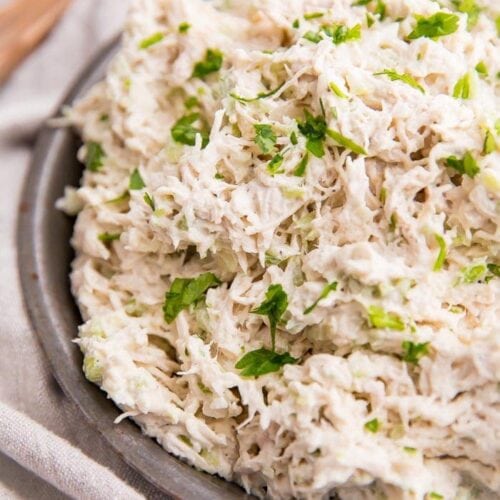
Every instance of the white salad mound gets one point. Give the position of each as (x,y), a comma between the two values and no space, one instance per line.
(288,242)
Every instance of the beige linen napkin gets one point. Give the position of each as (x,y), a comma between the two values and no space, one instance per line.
(47,450)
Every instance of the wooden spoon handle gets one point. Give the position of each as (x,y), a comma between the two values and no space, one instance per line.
(23,24)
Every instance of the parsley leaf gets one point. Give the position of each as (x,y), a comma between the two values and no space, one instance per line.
(314,129)
(151,40)
(136,182)
(465,166)
(107,238)
(379,318)
(184,27)
(470,8)
(438,265)
(300,169)
(464,88)
(331,287)
(403,77)
(150,201)
(260,95)
(184,132)
(413,352)
(274,306)
(211,64)
(439,24)
(339,33)
(489,144)
(94,157)
(273,167)
(265,138)
(263,361)
(186,291)
(345,142)
(372,425)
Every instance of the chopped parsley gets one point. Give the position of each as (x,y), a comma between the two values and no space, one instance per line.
(345,142)
(465,166)
(438,265)
(313,36)
(186,291)
(263,361)
(151,40)
(482,69)
(379,318)
(402,77)
(94,157)
(314,130)
(136,182)
(260,95)
(185,133)
(184,27)
(337,90)
(296,24)
(331,287)
(150,201)
(339,33)
(108,238)
(470,8)
(300,169)
(489,144)
(372,425)
(274,306)
(274,166)
(211,64)
(412,352)
(439,24)
(265,138)
(464,88)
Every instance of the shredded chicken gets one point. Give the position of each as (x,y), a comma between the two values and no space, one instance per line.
(346,159)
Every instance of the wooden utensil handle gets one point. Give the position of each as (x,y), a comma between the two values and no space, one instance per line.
(23,24)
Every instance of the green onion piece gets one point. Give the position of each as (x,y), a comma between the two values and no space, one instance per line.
(438,265)
(489,144)
(331,287)
(184,27)
(465,166)
(402,77)
(95,156)
(372,425)
(150,201)
(464,88)
(379,318)
(211,64)
(300,169)
(345,142)
(273,167)
(260,95)
(136,182)
(337,90)
(151,40)
(413,352)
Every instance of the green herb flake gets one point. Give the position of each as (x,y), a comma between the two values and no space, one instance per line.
(184,132)
(435,496)
(370,20)
(438,265)
(439,24)
(296,24)
(274,166)
(470,8)
(339,33)
(360,3)
(337,90)
(136,182)
(494,269)
(489,144)
(313,15)
(482,69)
(192,102)
(151,40)
(402,77)
(379,318)
(464,88)
(497,25)
(94,157)
(380,9)
(211,64)
(185,292)
(260,95)
(184,27)
(149,200)
(410,450)
(274,306)
(345,142)
(474,273)
(293,138)
(265,138)
(313,37)
(372,425)
(263,361)
(412,352)
(465,166)
(314,130)
(300,169)
(120,199)
(108,238)
(331,287)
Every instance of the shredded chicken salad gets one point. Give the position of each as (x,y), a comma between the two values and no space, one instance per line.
(288,242)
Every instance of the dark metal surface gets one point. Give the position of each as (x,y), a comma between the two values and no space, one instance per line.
(44,262)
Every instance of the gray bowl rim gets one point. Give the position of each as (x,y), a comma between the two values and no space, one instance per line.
(54,317)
